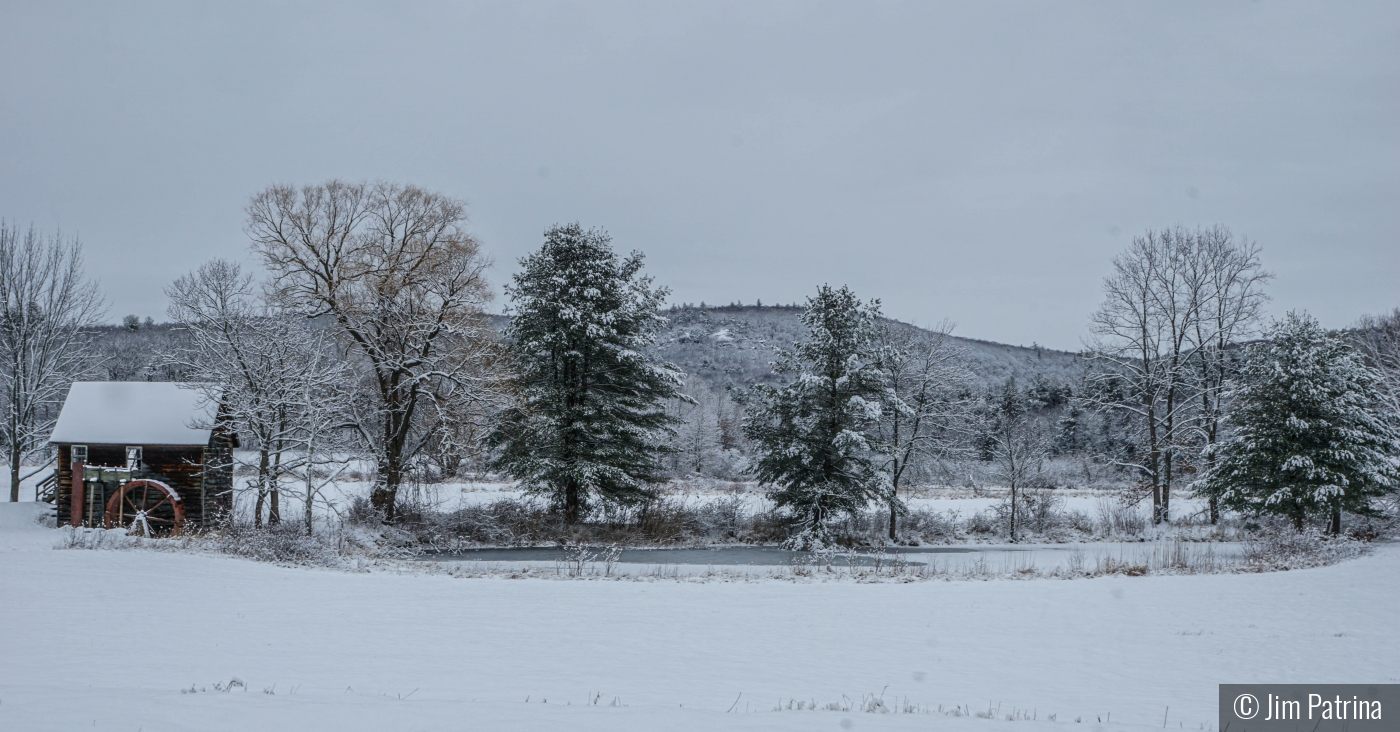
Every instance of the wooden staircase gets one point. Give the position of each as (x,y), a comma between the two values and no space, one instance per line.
(47,488)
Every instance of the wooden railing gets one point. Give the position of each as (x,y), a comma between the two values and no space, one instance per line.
(46,489)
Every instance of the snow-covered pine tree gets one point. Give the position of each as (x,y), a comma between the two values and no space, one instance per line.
(1310,436)
(811,436)
(590,419)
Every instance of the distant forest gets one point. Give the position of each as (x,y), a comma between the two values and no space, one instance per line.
(725,350)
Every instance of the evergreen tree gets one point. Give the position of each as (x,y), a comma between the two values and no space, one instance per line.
(1068,440)
(811,435)
(1309,434)
(590,420)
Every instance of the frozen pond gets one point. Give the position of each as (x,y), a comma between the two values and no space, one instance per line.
(765,556)
(983,558)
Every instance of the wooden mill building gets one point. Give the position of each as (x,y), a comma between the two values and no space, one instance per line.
(148,456)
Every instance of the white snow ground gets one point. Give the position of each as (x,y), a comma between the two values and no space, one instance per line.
(107,640)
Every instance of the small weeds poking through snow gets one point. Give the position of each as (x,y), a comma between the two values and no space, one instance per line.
(1117,519)
(877,704)
(345,547)
(273,544)
(47,519)
(233,683)
(94,539)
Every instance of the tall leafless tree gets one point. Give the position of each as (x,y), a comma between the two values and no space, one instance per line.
(1128,373)
(1176,302)
(1178,309)
(47,302)
(923,409)
(1227,281)
(317,394)
(1018,449)
(697,438)
(1378,340)
(259,364)
(395,269)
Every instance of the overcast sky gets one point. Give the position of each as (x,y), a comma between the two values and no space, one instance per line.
(978,161)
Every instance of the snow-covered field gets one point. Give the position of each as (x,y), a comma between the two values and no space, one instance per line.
(138,640)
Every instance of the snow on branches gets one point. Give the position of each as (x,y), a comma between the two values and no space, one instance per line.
(1311,433)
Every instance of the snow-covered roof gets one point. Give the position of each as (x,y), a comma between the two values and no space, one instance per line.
(133,413)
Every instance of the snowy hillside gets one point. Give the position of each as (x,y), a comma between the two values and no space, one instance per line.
(734,345)
(725,345)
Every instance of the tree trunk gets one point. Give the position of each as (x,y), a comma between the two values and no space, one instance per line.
(400,414)
(1014,501)
(894,498)
(572,503)
(382,498)
(15,410)
(1167,486)
(14,471)
(274,508)
(1335,528)
(1211,430)
(264,467)
(308,507)
(385,495)
(310,480)
(1154,466)
(1013,510)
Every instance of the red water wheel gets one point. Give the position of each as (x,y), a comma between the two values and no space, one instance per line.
(146,507)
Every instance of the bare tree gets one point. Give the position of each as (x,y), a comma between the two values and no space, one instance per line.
(47,302)
(1019,449)
(318,393)
(1125,351)
(244,357)
(463,411)
(922,411)
(1378,340)
(402,280)
(697,437)
(275,375)
(1227,281)
(1175,304)
(1178,308)
(1139,350)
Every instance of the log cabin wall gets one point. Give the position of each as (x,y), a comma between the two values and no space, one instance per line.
(63,493)
(182,467)
(63,496)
